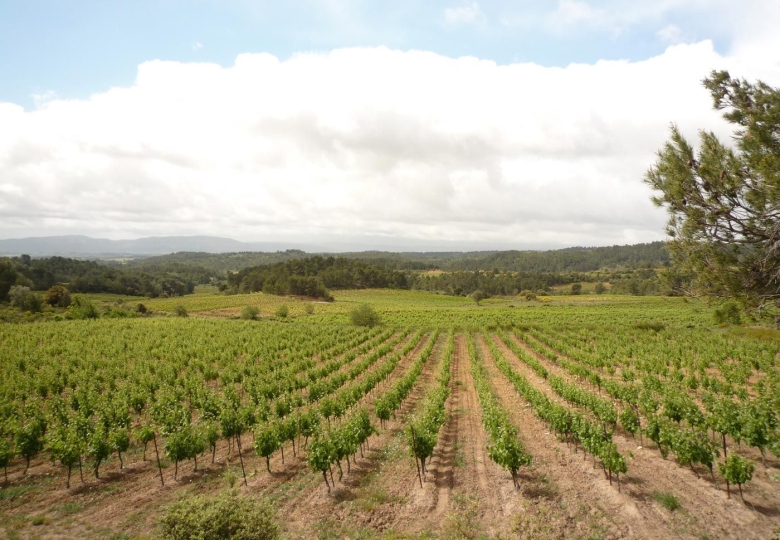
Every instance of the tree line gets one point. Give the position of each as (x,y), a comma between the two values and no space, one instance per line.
(576,259)
(314,276)
(95,277)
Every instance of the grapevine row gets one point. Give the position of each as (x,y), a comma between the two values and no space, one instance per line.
(424,427)
(505,447)
(572,426)
(386,404)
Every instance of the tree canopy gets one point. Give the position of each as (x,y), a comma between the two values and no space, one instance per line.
(724,200)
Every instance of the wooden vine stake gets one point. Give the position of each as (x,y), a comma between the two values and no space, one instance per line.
(159,467)
(414,449)
(240,457)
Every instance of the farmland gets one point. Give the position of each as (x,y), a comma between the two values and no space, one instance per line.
(563,417)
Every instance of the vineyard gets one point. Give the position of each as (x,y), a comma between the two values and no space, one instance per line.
(588,417)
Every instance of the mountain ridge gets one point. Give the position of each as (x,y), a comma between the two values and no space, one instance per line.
(82,245)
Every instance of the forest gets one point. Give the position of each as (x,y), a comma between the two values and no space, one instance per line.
(627,269)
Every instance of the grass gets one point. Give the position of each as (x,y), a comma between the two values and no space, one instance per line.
(70,507)
(764,334)
(460,455)
(462,522)
(374,497)
(14,492)
(667,500)
(331,530)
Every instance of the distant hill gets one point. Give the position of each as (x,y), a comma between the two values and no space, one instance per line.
(84,246)
(222,255)
(569,260)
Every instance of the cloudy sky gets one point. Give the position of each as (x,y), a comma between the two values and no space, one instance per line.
(406,124)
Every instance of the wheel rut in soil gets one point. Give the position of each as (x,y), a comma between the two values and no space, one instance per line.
(498,498)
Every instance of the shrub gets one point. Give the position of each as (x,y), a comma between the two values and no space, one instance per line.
(576,288)
(57,296)
(180,311)
(23,298)
(364,315)
(226,516)
(140,308)
(728,313)
(478,296)
(528,295)
(282,311)
(599,288)
(309,308)
(82,308)
(250,313)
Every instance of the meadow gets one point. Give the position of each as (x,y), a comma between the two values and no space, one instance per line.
(590,416)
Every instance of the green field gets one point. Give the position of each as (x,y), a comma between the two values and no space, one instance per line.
(566,416)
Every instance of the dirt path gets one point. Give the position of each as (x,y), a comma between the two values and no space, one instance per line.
(372,474)
(707,511)
(565,495)
(476,473)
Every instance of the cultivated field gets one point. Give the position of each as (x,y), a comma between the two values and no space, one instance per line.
(566,417)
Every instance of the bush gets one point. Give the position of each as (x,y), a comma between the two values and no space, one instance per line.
(600,288)
(309,308)
(250,313)
(180,311)
(57,296)
(227,516)
(23,298)
(576,288)
(528,295)
(364,315)
(140,308)
(478,296)
(82,308)
(728,313)
(282,311)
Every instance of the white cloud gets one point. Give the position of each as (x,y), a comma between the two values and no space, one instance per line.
(197,46)
(571,13)
(670,34)
(373,142)
(41,99)
(466,14)
(618,17)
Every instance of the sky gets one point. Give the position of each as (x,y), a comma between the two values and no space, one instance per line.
(396,125)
